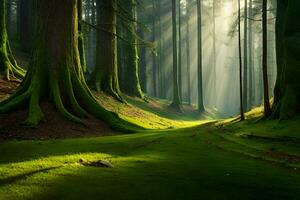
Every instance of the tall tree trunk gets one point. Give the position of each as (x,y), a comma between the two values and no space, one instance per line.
(280,28)
(8,16)
(154,55)
(105,74)
(267,107)
(287,92)
(142,63)
(8,65)
(188,56)
(25,31)
(160,66)
(240,61)
(214,54)
(132,86)
(245,68)
(55,73)
(200,82)
(179,51)
(251,47)
(81,38)
(176,98)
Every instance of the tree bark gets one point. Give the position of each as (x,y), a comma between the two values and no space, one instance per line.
(240,61)
(132,86)
(267,106)
(245,67)
(188,55)
(287,90)
(81,38)
(105,74)
(176,104)
(200,79)
(179,52)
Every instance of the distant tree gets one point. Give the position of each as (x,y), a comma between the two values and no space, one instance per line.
(176,97)
(200,79)
(180,74)
(81,45)
(245,67)
(128,16)
(105,74)
(8,65)
(188,54)
(214,49)
(240,61)
(154,54)
(250,55)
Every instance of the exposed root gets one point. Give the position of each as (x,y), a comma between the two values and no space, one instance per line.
(80,102)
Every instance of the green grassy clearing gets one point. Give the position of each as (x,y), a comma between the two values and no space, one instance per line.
(195,163)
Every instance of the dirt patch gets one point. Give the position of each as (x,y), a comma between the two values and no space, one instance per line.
(55,126)
(8,87)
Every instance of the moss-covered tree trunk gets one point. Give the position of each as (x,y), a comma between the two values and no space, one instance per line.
(55,73)
(105,74)
(132,85)
(8,65)
(287,90)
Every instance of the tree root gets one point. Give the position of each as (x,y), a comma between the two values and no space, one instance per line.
(80,102)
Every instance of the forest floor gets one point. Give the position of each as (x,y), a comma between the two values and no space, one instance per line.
(215,160)
(153,114)
(206,159)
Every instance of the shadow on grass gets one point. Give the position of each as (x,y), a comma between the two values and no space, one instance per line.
(162,166)
(14,179)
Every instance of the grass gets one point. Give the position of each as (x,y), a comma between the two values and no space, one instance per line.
(194,163)
(254,159)
(154,114)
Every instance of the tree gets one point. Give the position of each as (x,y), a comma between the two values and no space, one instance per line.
(154,54)
(287,91)
(188,55)
(176,104)
(267,106)
(251,57)
(240,61)
(214,48)
(179,51)
(245,67)
(105,74)
(8,65)
(55,73)
(81,37)
(128,16)
(200,79)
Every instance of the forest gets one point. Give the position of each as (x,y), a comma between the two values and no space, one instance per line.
(150,99)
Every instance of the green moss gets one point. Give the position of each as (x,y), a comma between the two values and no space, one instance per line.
(187,164)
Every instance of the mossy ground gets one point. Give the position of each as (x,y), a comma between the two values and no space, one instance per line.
(210,161)
(155,113)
